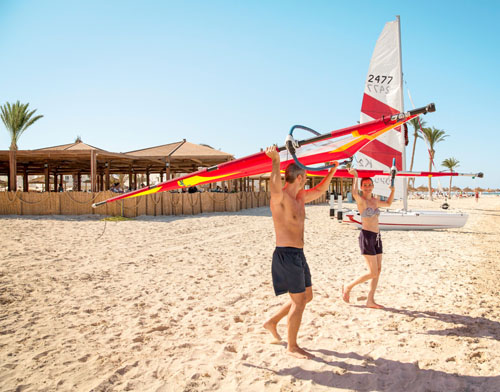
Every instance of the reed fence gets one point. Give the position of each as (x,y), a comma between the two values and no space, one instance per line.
(164,203)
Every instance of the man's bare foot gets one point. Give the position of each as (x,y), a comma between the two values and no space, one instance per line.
(345,295)
(271,327)
(374,305)
(297,352)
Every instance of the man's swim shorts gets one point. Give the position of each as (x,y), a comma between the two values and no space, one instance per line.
(290,270)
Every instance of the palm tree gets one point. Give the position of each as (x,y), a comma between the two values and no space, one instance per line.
(17,119)
(417,124)
(451,164)
(433,136)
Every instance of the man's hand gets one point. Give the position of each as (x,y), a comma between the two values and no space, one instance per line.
(272,153)
(353,172)
(391,188)
(336,163)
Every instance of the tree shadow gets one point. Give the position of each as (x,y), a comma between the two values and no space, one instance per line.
(479,327)
(383,375)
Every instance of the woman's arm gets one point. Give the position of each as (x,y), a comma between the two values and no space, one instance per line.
(388,202)
(355,191)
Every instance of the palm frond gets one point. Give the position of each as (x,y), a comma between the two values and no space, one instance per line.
(17,119)
(450,163)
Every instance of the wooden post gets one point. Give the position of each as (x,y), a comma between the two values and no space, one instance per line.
(55,181)
(130,177)
(147,176)
(93,171)
(161,175)
(79,182)
(12,171)
(168,168)
(107,175)
(61,180)
(25,179)
(47,177)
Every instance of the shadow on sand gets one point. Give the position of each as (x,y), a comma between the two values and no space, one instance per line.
(477,327)
(383,375)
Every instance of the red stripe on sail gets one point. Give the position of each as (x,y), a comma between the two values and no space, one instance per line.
(382,153)
(374,108)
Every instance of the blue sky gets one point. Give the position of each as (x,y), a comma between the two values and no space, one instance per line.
(237,75)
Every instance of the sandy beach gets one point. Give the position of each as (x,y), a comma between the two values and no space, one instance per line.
(177,304)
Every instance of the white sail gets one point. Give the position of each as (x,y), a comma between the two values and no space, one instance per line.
(383,96)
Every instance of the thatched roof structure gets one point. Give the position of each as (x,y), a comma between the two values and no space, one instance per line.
(183,156)
(83,159)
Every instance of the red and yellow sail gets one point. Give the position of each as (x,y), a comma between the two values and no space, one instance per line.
(336,145)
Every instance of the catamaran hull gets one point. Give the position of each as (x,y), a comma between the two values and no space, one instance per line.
(412,220)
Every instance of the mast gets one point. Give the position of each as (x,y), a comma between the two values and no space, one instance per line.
(403,153)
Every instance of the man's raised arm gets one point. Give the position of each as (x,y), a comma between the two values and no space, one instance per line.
(322,187)
(275,179)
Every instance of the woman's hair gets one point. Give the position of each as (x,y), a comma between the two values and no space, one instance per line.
(366,179)
(292,171)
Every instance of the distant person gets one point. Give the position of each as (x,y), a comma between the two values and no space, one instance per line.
(116,188)
(192,189)
(290,272)
(370,241)
(477,195)
(60,188)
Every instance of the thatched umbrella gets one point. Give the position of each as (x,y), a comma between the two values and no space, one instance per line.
(40,180)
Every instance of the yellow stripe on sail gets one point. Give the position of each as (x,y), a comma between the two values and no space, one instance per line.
(359,138)
(195,180)
(146,192)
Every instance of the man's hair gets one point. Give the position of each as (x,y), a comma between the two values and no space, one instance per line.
(292,171)
(366,179)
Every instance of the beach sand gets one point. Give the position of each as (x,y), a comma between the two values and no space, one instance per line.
(177,304)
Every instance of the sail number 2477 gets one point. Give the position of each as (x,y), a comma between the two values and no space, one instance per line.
(379,79)
(380,83)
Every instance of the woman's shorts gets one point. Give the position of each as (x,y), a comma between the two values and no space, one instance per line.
(370,243)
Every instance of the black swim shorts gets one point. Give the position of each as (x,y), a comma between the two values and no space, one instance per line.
(290,270)
(370,243)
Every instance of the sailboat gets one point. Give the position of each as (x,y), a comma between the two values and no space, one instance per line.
(383,95)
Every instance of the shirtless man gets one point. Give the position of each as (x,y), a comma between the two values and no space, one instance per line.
(370,241)
(289,267)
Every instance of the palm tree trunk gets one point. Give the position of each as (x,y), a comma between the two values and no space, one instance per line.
(413,156)
(430,169)
(449,193)
(12,171)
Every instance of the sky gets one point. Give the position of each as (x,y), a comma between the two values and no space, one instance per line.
(237,75)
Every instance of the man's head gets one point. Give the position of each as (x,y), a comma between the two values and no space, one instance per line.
(366,184)
(293,172)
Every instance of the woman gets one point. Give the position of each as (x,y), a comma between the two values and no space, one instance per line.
(369,238)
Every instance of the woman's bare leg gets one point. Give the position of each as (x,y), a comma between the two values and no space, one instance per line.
(372,274)
(370,303)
